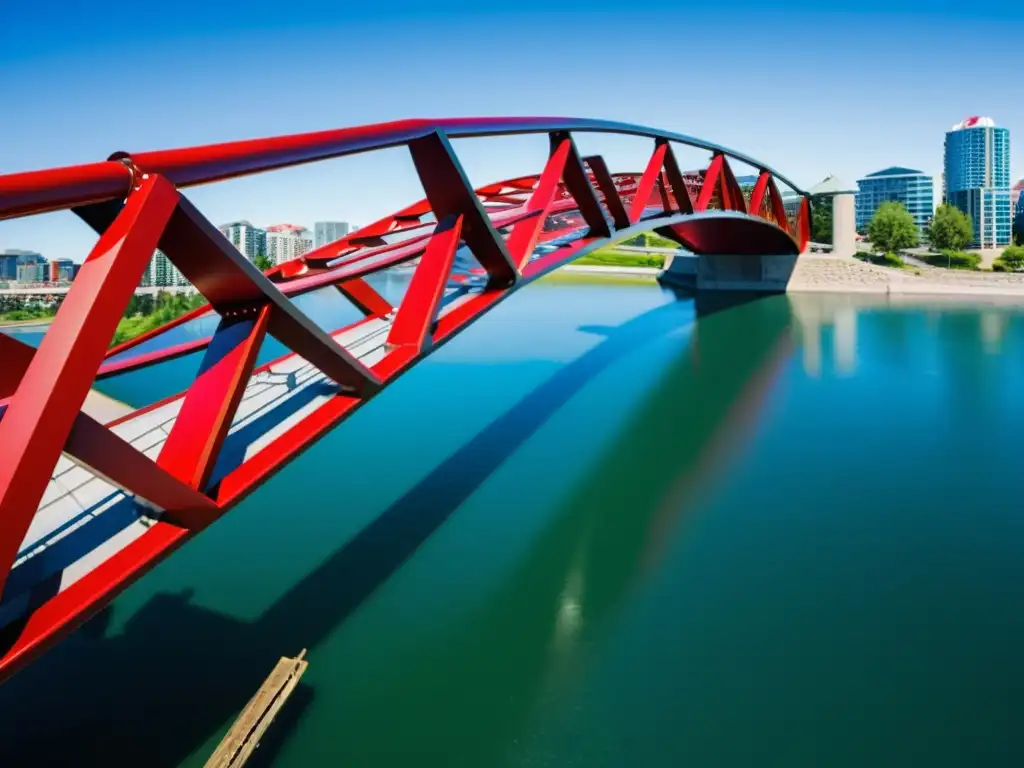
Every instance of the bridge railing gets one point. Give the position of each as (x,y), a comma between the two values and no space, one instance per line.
(57,189)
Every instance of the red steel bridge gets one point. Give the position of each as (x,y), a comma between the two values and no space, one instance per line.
(86,508)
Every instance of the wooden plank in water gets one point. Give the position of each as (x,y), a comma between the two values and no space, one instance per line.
(240,742)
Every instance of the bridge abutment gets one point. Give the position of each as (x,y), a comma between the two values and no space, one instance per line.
(768,273)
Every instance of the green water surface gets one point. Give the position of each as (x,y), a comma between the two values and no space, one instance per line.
(606,526)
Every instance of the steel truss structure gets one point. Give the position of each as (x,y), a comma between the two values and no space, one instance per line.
(516,231)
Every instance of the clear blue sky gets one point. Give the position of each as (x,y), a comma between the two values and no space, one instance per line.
(850,89)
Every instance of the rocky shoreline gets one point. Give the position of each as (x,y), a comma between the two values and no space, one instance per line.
(840,274)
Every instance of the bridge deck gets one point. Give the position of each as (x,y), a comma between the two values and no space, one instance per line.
(83,520)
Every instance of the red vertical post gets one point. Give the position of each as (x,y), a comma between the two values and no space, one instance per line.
(576,181)
(450,194)
(675,179)
(198,433)
(646,184)
(523,237)
(711,180)
(419,307)
(757,195)
(803,224)
(606,184)
(732,195)
(778,207)
(48,399)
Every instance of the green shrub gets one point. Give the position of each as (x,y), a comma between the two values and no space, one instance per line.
(1013,255)
(885,259)
(998,266)
(953,259)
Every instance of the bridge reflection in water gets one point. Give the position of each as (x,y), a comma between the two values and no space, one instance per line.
(160,687)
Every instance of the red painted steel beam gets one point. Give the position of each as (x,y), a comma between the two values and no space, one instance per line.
(144,337)
(758,193)
(51,392)
(652,175)
(675,179)
(578,185)
(40,191)
(450,194)
(146,359)
(803,224)
(69,609)
(523,238)
(228,280)
(363,295)
(307,280)
(605,183)
(422,299)
(732,194)
(117,461)
(198,433)
(711,182)
(105,453)
(22,194)
(16,357)
(778,207)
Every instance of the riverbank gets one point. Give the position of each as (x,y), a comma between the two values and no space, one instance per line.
(840,274)
(594,269)
(42,322)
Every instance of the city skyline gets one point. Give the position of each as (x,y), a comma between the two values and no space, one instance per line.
(194,93)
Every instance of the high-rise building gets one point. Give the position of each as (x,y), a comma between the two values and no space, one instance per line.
(286,242)
(1017,200)
(1016,193)
(248,239)
(325,232)
(12,258)
(161,273)
(912,188)
(30,267)
(61,270)
(977,170)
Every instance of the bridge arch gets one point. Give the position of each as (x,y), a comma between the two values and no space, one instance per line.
(164,488)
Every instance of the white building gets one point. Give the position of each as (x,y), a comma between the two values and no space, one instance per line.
(161,273)
(325,232)
(286,242)
(248,239)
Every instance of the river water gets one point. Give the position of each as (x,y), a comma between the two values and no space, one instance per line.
(606,526)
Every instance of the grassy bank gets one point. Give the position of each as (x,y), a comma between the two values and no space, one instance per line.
(146,313)
(609,257)
(27,316)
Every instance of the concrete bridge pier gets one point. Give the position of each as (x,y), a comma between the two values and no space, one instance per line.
(768,273)
(844,216)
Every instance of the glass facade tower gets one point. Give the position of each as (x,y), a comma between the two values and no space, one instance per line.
(977,171)
(914,189)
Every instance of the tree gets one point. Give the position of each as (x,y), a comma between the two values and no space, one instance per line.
(821,218)
(262,262)
(951,229)
(892,228)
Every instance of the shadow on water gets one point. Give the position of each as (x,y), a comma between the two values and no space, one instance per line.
(178,673)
